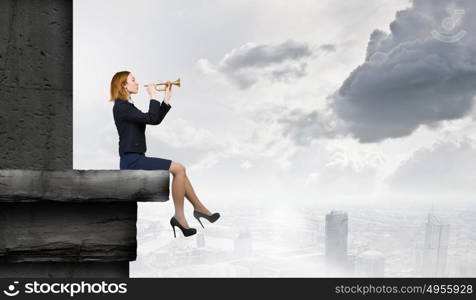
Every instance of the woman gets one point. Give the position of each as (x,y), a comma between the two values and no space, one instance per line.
(130,123)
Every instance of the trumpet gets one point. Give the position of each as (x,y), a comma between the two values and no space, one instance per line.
(176,82)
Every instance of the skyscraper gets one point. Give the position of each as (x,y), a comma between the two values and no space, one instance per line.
(370,263)
(336,240)
(200,239)
(435,247)
(243,245)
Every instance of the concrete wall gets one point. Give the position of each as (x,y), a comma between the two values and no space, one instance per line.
(36,84)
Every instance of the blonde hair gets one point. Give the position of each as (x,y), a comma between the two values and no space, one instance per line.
(117,86)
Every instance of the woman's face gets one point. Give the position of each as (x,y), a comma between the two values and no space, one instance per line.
(132,86)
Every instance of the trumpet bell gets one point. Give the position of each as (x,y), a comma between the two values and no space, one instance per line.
(177,82)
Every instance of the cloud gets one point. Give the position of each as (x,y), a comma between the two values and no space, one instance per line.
(252,62)
(409,77)
(422,72)
(181,134)
(187,143)
(328,48)
(303,127)
(447,167)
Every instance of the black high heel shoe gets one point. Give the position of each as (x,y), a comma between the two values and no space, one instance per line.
(186,231)
(212,218)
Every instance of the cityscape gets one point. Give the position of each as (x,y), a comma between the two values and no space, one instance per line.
(356,242)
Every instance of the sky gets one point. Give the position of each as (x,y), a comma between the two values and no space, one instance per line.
(290,102)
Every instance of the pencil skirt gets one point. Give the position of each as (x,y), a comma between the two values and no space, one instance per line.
(138,161)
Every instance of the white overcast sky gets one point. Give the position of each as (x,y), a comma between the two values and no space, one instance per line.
(283,101)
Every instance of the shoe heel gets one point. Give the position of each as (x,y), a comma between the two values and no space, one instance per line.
(185,231)
(173,227)
(199,221)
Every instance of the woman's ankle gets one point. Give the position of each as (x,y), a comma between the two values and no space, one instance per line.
(179,216)
(199,207)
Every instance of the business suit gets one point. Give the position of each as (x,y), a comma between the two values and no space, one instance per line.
(130,123)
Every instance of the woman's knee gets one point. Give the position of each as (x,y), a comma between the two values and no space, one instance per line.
(177,168)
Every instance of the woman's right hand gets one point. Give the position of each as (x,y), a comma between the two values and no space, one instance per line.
(168,93)
(152,91)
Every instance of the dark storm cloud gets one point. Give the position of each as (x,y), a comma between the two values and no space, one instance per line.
(410,77)
(421,73)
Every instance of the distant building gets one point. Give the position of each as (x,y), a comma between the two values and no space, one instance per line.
(200,239)
(336,230)
(461,265)
(370,263)
(466,268)
(435,248)
(243,245)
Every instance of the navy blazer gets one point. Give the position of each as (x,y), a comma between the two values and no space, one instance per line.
(130,123)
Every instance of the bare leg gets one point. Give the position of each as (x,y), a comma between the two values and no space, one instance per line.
(192,197)
(178,194)
(181,188)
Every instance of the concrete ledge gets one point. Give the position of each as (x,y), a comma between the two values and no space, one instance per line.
(62,222)
(18,185)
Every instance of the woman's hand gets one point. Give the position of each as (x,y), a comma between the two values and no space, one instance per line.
(152,91)
(168,93)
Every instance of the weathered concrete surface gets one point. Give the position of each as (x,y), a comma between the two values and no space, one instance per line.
(36,82)
(34,232)
(83,185)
